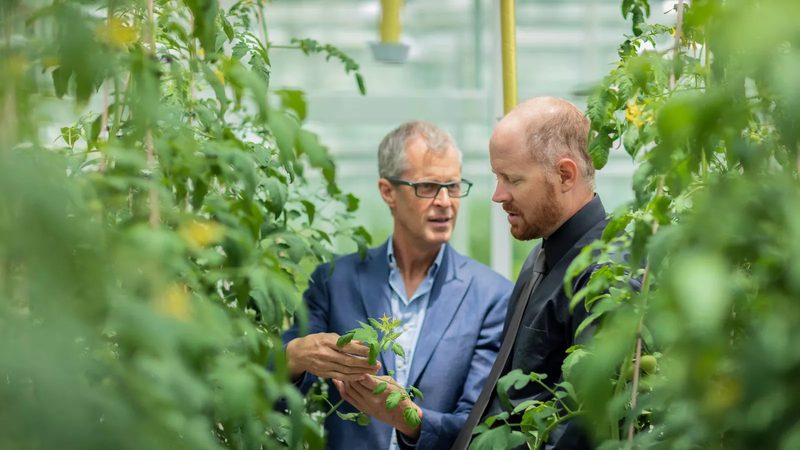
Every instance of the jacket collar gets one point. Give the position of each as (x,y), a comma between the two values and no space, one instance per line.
(565,237)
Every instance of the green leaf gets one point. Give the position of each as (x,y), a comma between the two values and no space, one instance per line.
(350,417)
(366,333)
(204,13)
(393,399)
(373,353)
(502,437)
(344,339)
(363,419)
(199,191)
(216,85)
(515,378)
(293,100)
(310,210)
(362,88)
(61,80)
(567,387)
(352,202)
(380,388)
(285,130)
(417,393)
(411,416)
(616,225)
(308,143)
(363,239)
(398,350)
(374,322)
(70,135)
(276,195)
(239,50)
(599,149)
(524,405)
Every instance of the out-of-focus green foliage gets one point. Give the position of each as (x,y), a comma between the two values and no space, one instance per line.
(696,344)
(153,252)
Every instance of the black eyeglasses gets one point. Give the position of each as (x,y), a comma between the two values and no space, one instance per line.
(430,189)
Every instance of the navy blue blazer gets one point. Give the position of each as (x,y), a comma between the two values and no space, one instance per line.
(458,343)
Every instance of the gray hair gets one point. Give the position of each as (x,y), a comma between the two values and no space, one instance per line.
(563,132)
(392,160)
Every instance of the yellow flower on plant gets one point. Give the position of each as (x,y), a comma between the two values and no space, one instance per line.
(633,114)
(174,302)
(200,234)
(116,33)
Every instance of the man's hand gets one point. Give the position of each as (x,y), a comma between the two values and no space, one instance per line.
(319,355)
(359,394)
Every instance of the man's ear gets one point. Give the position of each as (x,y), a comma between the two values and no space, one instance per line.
(387,192)
(567,172)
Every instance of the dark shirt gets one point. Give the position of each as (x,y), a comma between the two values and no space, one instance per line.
(548,327)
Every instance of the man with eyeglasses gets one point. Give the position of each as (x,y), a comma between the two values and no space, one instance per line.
(452,308)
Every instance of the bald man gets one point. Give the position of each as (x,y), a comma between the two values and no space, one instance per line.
(545,182)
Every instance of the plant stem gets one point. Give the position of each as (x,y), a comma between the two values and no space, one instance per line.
(262,22)
(155,210)
(333,407)
(553,393)
(104,115)
(286,47)
(8,126)
(677,47)
(151,27)
(638,352)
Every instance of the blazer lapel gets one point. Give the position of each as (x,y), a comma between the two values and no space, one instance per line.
(442,309)
(373,282)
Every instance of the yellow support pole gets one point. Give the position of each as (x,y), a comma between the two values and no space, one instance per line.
(509,52)
(390,21)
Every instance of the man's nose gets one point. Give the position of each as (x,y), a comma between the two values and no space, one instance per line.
(442,197)
(500,194)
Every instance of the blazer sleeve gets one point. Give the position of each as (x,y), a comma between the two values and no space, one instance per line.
(440,429)
(317,303)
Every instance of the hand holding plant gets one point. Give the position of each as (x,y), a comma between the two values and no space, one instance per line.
(384,399)
(380,397)
(321,355)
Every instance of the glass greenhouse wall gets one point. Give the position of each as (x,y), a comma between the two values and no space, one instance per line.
(452,78)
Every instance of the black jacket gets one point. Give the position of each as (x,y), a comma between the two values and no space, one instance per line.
(548,327)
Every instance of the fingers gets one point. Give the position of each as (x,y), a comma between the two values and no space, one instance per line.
(373,381)
(355,362)
(319,355)
(351,354)
(354,348)
(360,389)
(358,395)
(340,387)
(349,377)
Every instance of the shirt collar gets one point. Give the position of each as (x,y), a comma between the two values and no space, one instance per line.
(437,262)
(565,237)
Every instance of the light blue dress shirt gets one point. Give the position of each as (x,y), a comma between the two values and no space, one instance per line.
(410,311)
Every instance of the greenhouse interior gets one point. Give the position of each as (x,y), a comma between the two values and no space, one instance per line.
(400,224)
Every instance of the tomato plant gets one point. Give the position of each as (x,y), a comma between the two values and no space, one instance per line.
(165,206)
(694,297)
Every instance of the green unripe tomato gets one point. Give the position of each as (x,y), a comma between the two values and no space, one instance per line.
(648,364)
